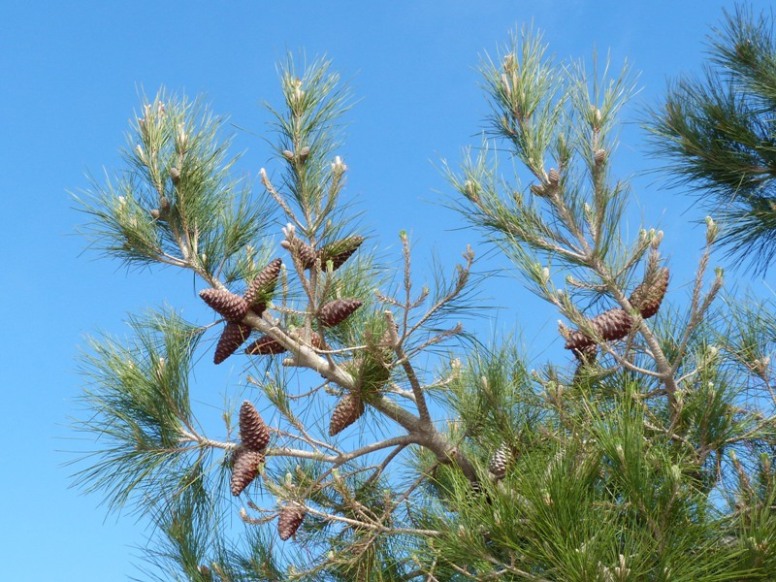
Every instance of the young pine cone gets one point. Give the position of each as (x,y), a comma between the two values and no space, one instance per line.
(347,411)
(233,336)
(289,520)
(337,311)
(232,307)
(246,466)
(254,434)
(610,325)
(339,251)
(263,286)
(499,461)
(264,346)
(648,296)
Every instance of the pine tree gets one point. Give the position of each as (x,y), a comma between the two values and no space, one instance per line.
(718,135)
(643,452)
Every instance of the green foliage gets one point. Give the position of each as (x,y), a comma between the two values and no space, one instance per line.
(718,134)
(643,454)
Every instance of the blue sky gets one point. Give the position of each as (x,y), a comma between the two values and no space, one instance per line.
(72,73)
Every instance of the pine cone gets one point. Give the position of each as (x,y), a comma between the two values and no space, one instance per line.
(586,354)
(254,434)
(302,251)
(648,296)
(316,341)
(289,520)
(246,465)
(347,411)
(610,325)
(337,311)
(262,287)
(499,461)
(231,306)
(339,251)
(265,346)
(233,336)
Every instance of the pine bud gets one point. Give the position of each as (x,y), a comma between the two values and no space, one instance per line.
(289,520)
(338,167)
(233,336)
(265,346)
(304,153)
(712,230)
(337,311)
(599,156)
(553,177)
(288,154)
(175,175)
(347,411)
(231,306)
(246,466)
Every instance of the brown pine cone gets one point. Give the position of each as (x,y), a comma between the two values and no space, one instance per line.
(648,296)
(302,251)
(586,354)
(246,466)
(339,251)
(231,306)
(254,434)
(337,311)
(262,287)
(289,520)
(610,325)
(499,461)
(265,346)
(347,411)
(233,336)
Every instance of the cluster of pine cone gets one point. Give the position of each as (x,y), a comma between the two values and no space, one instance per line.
(249,456)
(233,308)
(617,323)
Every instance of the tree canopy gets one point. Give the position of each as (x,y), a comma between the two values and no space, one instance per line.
(399,446)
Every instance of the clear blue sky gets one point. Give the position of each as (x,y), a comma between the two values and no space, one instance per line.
(71,76)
